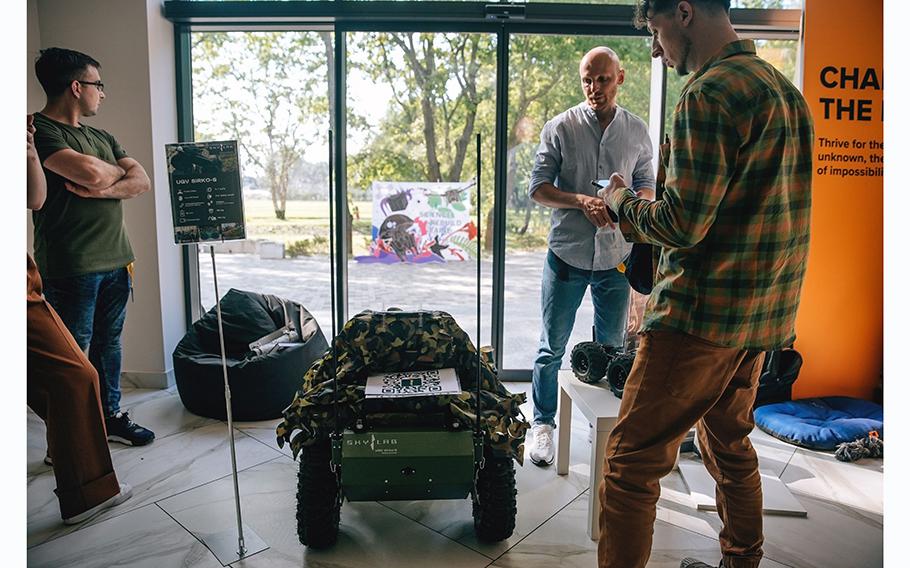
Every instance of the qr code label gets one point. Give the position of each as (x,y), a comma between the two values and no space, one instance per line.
(413,383)
(422,382)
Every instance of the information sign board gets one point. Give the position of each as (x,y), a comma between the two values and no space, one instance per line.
(206,196)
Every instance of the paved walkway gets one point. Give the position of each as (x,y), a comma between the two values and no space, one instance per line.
(450,287)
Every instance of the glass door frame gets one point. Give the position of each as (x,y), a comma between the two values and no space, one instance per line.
(342,16)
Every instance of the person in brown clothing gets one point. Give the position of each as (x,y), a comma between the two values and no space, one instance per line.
(63,390)
(733,230)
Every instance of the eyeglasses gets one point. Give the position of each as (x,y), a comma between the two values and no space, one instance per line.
(97,84)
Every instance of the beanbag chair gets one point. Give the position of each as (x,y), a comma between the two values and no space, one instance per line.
(820,423)
(263,381)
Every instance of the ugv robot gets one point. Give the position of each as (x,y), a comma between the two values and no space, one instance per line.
(405,448)
(592,361)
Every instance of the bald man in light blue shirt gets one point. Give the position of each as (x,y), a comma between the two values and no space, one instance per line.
(589,141)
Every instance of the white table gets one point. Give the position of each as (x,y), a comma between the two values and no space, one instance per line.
(598,404)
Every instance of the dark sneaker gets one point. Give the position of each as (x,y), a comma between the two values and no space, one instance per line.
(121,429)
(125,493)
(693,563)
(48,460)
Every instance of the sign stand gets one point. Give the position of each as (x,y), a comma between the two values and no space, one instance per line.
(207,206)
(222,544)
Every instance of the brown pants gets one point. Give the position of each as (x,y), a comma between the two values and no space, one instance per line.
(63,390)
(677,381)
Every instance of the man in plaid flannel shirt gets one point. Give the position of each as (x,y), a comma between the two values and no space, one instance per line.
(733,229)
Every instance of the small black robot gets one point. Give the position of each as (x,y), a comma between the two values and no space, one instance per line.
(592,361)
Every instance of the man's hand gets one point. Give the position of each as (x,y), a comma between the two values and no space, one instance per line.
(616,183)
(36,186)
(134,182)
(593,208)
(30,134)
(83,191)
(596,211)
(82,169)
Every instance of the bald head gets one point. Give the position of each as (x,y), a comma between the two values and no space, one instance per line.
(601,75)
(599,57)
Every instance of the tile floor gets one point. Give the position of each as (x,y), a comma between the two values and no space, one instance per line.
(182,492)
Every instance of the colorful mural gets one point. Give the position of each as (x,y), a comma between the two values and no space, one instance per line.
(421,222)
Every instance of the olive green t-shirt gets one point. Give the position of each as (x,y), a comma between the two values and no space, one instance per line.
(77,235)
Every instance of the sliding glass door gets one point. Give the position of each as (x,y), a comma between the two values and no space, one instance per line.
(269,90)
(543,82)
(417,82)
(415,103)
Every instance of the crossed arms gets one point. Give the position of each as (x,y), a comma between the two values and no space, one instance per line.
(91,177)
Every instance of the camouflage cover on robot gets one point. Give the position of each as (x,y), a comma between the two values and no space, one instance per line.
(374,342)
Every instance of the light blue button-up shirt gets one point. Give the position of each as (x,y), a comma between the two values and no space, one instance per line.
(573,151)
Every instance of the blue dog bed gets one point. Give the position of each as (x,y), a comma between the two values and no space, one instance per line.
(821,423)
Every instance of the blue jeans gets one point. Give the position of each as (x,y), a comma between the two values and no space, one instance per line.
(93,307)
(562,289)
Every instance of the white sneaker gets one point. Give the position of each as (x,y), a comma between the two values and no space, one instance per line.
(542,452)
(125,493)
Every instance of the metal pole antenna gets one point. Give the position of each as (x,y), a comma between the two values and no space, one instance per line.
(337,431)
(479,249)
(241,549)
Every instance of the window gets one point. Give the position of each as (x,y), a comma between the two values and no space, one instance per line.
(270,91)
(416,101)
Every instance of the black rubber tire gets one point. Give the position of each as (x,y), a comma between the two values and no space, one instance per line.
(494,515)
(618,372)
(589,361)
(318,508)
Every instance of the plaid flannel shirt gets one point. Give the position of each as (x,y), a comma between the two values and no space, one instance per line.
(733,224)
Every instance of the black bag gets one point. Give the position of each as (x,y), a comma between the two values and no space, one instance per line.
(779,372)
(640,268)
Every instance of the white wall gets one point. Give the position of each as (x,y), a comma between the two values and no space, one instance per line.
(135,46)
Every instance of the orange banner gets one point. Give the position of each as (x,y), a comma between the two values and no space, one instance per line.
(839,326)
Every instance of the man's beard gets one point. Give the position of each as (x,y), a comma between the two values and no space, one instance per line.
(682,68)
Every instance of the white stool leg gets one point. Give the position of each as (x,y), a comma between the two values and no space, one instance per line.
(563,432)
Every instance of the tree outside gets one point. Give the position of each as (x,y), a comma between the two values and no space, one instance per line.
(415,103)
(269,91)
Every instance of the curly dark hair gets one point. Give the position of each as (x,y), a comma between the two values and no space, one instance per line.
(642,7)
(56,68)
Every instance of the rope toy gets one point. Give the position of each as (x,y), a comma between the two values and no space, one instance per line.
(872,446)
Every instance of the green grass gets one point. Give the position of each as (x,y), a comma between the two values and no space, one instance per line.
(261,212)
(302,219)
